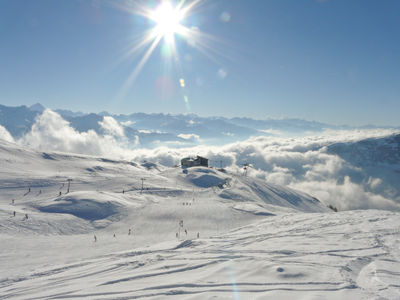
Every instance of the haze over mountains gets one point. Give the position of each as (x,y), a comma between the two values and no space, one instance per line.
(153,129)
(263,232)
(348,168)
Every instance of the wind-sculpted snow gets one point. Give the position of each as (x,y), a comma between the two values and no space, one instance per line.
(85,205)
(205,178)
(123,230)
(348,255)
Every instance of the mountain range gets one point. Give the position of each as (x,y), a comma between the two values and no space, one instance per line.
(153,129)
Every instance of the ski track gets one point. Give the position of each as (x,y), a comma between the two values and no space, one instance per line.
(203,267)
(257,241)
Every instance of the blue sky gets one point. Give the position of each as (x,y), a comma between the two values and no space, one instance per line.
(335,61)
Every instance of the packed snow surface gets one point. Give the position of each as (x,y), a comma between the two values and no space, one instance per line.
(187,234)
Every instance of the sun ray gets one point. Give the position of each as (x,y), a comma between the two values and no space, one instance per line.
(136,46)
(169,19)
(139,67)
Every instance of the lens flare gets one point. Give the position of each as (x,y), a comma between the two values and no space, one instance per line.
(171,18)
(187,104)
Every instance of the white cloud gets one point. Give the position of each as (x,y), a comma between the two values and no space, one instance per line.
(302,163)
(5,135)
(191,136)
(111,126)
(51,132)
(127,123)
(272,131)
(145,131)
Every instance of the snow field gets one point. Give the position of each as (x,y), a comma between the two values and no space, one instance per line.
(256,240)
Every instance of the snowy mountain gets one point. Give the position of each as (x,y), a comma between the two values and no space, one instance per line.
(284,125)
(248,195)
(206,128)
(153,129)
(17,120)
(141,230)
(37,107)
(67,113)
(349,169)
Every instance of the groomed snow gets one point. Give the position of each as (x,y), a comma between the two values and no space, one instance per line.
(241,238)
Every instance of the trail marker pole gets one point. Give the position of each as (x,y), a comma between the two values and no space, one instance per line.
(69,185)
(142,179)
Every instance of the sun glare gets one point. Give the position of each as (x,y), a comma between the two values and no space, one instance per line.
(167,19)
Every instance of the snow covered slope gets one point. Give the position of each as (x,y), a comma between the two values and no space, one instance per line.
(349,255)
(188,234)
(104,188)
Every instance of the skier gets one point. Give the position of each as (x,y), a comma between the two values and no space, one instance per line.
(123,191)
(14,213)
(198,235)
(29,190)
(114,235)
(129,231)
(59,194)
(176,235)
(186,231)
(95,238)
(26,216)
(12,201)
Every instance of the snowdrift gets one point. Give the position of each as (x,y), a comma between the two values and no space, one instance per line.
(86,205)
(196,234)
(349,255)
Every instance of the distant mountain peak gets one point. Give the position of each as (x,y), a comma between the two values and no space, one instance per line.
(37,107)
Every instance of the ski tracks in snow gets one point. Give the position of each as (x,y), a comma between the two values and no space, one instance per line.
(310,255)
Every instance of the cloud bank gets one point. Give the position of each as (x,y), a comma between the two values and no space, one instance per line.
(302,163)
(51,132)
(111,127)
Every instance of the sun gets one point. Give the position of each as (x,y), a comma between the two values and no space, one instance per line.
(168,21)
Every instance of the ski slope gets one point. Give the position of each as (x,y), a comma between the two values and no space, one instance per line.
(241,238)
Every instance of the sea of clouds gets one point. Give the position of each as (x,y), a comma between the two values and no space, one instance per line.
(302,163)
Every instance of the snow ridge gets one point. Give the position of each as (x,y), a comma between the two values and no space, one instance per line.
(124,230)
